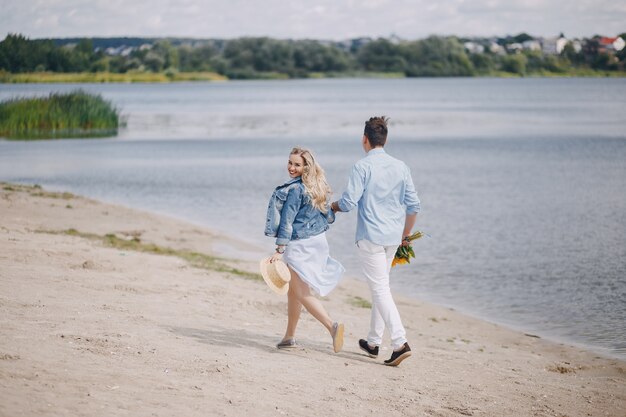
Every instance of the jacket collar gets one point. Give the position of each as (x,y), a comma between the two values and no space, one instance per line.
(291,181)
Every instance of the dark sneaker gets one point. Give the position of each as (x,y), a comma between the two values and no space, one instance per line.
(372,352)
(399,356)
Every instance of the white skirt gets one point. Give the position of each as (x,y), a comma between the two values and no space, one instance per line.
(310,259)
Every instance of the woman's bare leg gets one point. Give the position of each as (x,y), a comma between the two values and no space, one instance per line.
(313,305)
(294,307)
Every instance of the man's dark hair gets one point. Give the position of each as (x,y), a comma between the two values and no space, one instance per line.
(376,130)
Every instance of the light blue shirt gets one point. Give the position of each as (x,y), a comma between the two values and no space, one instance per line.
(382,188)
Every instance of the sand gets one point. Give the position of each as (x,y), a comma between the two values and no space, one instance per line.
(87,329)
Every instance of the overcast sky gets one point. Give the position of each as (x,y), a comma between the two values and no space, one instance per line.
(298,19)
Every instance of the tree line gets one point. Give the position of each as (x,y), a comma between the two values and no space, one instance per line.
(263,57)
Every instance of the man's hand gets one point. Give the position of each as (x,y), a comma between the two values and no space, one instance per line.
(409,222)
(335,207)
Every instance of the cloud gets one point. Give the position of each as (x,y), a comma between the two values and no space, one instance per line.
(324,19)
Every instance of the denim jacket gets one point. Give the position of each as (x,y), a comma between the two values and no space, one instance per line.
(291,216)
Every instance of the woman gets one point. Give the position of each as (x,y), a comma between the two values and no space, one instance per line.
(298,216)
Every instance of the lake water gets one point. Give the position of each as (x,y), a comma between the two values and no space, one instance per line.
(522,181)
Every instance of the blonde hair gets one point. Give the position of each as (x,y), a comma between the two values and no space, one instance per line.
(314,180)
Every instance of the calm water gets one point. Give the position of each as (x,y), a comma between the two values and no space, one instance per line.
(522,182)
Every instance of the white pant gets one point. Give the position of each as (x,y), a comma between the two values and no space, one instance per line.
(376,264)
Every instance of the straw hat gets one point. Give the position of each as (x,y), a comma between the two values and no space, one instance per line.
(276,275)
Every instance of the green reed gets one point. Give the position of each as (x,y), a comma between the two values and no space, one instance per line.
(75,114)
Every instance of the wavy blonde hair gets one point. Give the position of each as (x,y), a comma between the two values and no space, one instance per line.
(314,179)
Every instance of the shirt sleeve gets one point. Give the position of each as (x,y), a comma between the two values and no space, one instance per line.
(287,216)
(354,190)
(411,200)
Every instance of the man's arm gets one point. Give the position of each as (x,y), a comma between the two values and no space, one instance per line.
(354,190)
(413,205)
(409,222)
(411,200)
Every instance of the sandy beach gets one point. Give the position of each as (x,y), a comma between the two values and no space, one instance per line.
(107,310)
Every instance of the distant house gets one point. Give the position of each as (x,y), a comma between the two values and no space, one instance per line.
(553,46)
(514,47)
(395,39)
(474,48)
(611,44)
(531,45)
(577,45)
(122,50)
(496,48)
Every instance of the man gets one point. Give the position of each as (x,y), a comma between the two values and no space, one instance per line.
(382,188)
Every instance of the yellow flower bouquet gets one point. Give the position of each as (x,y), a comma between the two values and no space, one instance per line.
(405,253)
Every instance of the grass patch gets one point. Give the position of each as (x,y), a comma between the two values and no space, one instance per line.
(360,302)
(108,77)
(50,194)
(356,74)
(571,72)
(195,259)
(75,114)
(36,191)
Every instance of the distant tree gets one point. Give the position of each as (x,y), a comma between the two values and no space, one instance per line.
(154,61)
(167,53)
(534,63)
(246,56)
(85,47)
(117,64)
(59,60)
(437,56)
(267,57)
(20,55)
(515,64)
(556,64)
(196,59)
(381,55)
(312,56)
(483,63)
(522,37)
(82,56)
(571,56)
(605,61)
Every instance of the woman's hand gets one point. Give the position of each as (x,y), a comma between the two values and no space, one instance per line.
(276,257)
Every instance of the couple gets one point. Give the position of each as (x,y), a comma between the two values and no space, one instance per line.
(298,216)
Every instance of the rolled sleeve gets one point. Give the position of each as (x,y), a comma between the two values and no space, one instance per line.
(411,200)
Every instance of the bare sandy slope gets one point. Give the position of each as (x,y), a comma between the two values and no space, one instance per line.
(87,329)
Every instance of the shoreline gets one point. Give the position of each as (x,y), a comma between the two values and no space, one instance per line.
(95,329)
(163,78)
